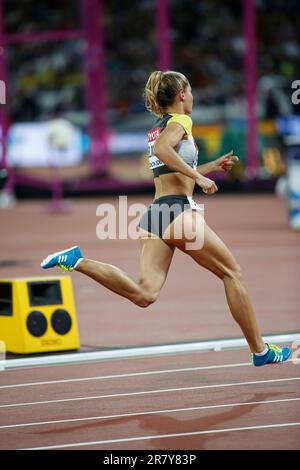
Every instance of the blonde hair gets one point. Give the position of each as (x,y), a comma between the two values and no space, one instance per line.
(161,89)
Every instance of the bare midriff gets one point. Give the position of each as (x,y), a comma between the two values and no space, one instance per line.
(173,183)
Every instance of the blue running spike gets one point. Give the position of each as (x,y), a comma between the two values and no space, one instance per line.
(273,355)
(66,259)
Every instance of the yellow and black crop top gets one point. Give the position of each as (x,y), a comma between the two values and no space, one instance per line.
(186,148)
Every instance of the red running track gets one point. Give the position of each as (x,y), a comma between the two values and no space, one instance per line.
(189,401)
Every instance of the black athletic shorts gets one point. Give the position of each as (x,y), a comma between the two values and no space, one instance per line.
(163,211)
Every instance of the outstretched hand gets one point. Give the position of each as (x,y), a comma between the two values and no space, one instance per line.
(226,162)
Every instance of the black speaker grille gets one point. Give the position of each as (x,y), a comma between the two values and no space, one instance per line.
(61,321)
(37,323)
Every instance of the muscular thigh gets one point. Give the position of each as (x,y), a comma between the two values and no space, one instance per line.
(214,254)
(155,260)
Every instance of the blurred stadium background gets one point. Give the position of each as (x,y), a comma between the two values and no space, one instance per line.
(74,120)
(73,124)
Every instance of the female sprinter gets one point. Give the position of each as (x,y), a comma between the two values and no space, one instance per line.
(173,159)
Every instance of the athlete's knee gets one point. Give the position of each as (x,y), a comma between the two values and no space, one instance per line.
(146,297)
(234,272)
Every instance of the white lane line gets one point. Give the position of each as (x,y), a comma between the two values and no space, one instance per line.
(153,412)
(165,436)
(130,374)
(148,392)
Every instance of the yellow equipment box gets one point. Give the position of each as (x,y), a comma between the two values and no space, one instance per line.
(38,314)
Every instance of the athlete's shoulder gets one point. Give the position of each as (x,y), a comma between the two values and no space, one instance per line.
(184,120)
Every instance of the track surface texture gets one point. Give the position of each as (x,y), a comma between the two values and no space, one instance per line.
(208,400)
